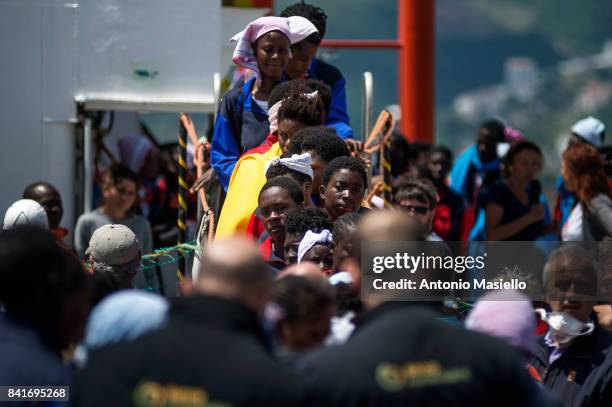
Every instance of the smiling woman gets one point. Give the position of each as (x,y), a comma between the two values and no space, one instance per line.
(262,48)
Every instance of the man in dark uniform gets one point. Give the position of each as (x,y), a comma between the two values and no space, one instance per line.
(213,351)
(401,355)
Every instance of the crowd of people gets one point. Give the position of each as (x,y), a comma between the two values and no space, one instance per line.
(274,312)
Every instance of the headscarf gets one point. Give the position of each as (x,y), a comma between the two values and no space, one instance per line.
(300,163)
(133,150)
(310,239)
(125,315)
(507,315)
(294,28)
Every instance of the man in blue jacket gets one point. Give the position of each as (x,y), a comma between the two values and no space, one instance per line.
(303,64)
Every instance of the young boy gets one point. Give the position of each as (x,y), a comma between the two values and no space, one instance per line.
(323,145)
(298,168)
(343,186)
(277,196)
(119,192)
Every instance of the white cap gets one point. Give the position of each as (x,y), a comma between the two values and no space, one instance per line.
(25,212)
(590,130)
(113,244)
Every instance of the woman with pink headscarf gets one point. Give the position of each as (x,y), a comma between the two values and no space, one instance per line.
(263,47)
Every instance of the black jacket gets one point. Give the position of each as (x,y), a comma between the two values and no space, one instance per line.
(404,356)
(26,360)
(581,376)
(213,350)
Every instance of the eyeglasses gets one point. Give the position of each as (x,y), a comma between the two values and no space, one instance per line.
(421,210)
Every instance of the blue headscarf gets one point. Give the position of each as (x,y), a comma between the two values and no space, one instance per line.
(124,316)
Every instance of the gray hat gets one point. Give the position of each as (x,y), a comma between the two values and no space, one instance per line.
(114,245)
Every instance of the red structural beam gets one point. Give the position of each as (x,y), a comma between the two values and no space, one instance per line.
(415,27)
(361,43)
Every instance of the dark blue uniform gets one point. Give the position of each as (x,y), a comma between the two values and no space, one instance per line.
(230,363)
(582,375)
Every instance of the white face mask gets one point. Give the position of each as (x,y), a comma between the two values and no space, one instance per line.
(564,327)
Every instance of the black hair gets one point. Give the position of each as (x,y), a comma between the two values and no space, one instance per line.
(345,226)
(344,163)
(301,220)
(117,172)
(280,91)
(313,13)
(496,128)
(445,151)
(324,92)
(322,140)
(37,279)
(419,189)
(283,171)
(290,185)
(103,284)
(302,298)
(347,299)
(304,109)
(416,148)
(400,153)
(515,149)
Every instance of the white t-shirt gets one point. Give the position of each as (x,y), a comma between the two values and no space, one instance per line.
(572,229)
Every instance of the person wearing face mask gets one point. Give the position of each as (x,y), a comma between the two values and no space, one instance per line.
(570,356)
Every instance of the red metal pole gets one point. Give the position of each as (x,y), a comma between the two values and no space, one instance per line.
(416,33)
(360,43)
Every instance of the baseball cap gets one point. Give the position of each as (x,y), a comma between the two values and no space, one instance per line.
(113,244)
(25,212)
(590,130)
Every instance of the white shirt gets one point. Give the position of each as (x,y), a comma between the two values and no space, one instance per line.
(572,229)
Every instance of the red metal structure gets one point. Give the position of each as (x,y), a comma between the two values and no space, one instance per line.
(415,43)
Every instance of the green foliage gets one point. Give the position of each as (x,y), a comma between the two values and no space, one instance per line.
(577,27)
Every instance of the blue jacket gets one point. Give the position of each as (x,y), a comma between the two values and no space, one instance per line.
(240,126)
(338,117)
